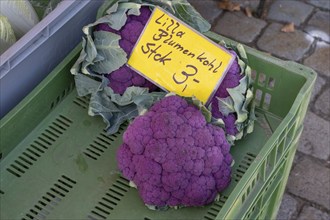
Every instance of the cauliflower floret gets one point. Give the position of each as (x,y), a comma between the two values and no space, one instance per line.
(125,77)
(177,158)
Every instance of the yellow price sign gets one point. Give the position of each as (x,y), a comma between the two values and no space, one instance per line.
(179,59)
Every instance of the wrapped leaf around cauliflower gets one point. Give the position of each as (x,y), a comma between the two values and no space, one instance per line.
(117,92)
(232,103)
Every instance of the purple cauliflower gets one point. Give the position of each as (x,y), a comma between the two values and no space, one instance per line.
(174,156)
(125,77)
(231,80)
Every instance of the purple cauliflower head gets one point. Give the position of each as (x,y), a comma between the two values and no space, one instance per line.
(231,80)
(125,77)
(174,156)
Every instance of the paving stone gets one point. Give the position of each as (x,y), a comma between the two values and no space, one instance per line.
(320,59)
(290,46)
(311,181)
(238,26)
(288,208)
(324,4)
(320,82)
(322,103)
(311,213)
(253,4)
(289,11)
(314,140)
(319,25)
(207,8)
(297,157)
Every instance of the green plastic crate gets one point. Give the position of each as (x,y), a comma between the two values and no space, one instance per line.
(58,163)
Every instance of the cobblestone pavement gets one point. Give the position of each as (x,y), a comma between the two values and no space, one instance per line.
(307,195)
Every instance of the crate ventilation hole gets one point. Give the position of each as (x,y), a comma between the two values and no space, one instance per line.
(51,198)
(254,208)
(248,215)
(1,192)
(82,102)
(243,166)
(263,98)
(265,81)
(110,200)
(62,96)
(215,208)
(277,174)
(101,143)
(39,146)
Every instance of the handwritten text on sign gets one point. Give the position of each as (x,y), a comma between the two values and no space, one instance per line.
(178,59)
